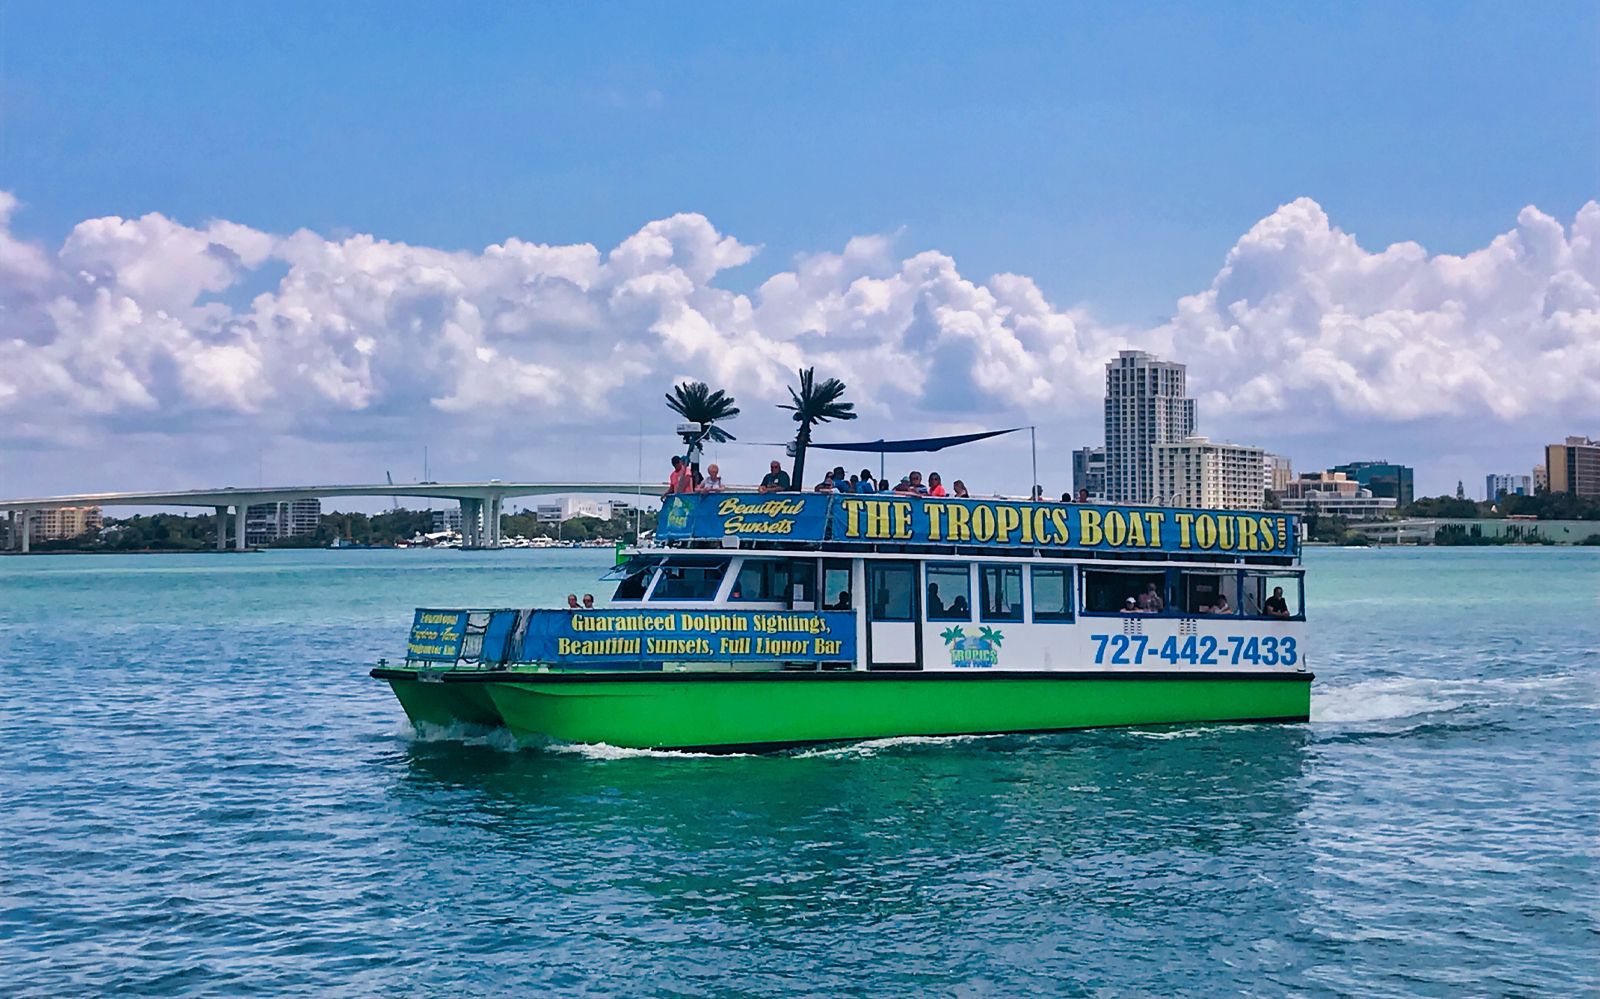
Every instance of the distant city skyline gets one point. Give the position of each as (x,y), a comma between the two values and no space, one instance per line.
(306,252)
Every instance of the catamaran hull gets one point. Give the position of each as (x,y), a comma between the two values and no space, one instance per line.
(771,710)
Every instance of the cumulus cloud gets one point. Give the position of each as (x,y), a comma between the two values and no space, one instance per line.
(148,322)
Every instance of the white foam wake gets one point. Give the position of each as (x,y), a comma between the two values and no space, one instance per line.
(1380,700)
(499,739)
(606,751)
(872,747)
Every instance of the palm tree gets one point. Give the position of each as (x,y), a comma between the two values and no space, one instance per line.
(814,404)
(696,403)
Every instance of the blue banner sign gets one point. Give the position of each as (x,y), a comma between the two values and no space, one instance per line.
(914,520)
(437,635)
(560,637)
(757,516)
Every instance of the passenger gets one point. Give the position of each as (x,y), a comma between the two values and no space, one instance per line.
(1275,605)
(843,603)
(960,490)
(883,485)
(959,606)
(775,481)
(672,480)
(840,481)
(935,605)
(853,483)
(826,485)
(1083,495)
(1038,494)
(936,485)
(917,488)
(713,480)
(588,601)
(868,483)
(1130,606)
(572,602)
(1066,497)
(689,481)
(1220,605)
(904,488)
(1150,601)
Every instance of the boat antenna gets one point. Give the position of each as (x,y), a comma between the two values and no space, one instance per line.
(638,503)
(1033,449)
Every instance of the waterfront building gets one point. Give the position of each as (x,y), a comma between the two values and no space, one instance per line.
(1383,478)
(1277,471)
(1146,404)
(63,522)
(560,509)
(1574,467)
(265,523)
(1541,479)
(447,520)
(1510,485)
(1089,472)
(1334,494)
(1197,472)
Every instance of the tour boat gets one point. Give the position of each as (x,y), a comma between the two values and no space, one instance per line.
(758,621)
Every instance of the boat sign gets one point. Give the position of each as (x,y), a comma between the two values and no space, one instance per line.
(437,635)
(688,636)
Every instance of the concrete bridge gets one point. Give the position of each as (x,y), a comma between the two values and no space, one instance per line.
(482,503)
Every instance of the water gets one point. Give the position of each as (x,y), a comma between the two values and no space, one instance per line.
(203,794)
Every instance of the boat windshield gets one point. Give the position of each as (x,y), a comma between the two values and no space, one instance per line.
(635,581)
(689,579)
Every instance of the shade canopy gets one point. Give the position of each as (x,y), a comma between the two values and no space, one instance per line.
(914,445)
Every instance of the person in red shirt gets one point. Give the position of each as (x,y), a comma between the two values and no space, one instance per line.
(936,485)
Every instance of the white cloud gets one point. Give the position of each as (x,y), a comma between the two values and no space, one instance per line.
(140,323)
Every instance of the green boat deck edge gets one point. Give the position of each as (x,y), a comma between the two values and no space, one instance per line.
(772,709)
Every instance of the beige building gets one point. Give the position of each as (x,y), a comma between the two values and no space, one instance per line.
(1574,467)
(1197,472)
(63,522)
(1276,473)
(1334,494)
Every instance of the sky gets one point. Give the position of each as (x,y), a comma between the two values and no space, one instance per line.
(305,245)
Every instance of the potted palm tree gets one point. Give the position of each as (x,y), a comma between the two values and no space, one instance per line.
(816,402)
(697,404)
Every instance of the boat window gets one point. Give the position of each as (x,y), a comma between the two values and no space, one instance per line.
(949,591)
(803,584)
(762,579)
(1209,593)
(1107,592)
(1258,589)
(893,589)
(1052,593)
(689,580)
(838,582)
(633,585)
(1000,589)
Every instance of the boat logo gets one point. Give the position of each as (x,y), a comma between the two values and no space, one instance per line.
(678,513)
(973,651)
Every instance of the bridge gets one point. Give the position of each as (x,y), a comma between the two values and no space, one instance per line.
(482,503)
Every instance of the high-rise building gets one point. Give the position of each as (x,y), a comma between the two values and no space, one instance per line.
(1511,485)
(1541,479)
(1383,479)
(1277,471)
(1089,472)
(1146,405)
(1574,467)
(60,523)
(448,519)
(1198,472)
(265,523)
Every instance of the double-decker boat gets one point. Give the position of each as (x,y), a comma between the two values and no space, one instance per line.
(770,620)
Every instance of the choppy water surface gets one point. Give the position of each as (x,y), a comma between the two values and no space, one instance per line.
(203,793)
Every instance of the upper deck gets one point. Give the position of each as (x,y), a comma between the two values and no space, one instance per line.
(1018,528)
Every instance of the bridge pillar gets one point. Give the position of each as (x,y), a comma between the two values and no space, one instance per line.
(238,526)
(27,531)
(470,510)
(496,509)
(222,528)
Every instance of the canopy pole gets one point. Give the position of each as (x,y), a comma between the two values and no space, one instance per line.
(881,476)
(1033,449)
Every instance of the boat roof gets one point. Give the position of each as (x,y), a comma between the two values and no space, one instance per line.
(883,523)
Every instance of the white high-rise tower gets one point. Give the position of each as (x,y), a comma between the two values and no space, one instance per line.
(1146,405)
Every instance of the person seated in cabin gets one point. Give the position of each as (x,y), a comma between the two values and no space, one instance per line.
(775,481)
(712,483)
(959,490)
(1131,606)
(1083,495)
(1218,606)
(958,606)
(588,601)
(1275,605)
(935,605)
(1150,601)
(936,485)
(572,602)
(868,483)
(843,603)
(672,480)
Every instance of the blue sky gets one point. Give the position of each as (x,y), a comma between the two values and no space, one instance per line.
(1112,156)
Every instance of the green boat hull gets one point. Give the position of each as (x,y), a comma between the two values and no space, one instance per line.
(677,711)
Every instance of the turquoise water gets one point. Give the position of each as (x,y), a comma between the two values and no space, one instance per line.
(204,794)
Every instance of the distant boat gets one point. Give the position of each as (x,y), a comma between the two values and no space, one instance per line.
(344,544)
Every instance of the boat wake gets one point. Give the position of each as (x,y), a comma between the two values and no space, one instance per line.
(606,751)
(872,747)
(461,733)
